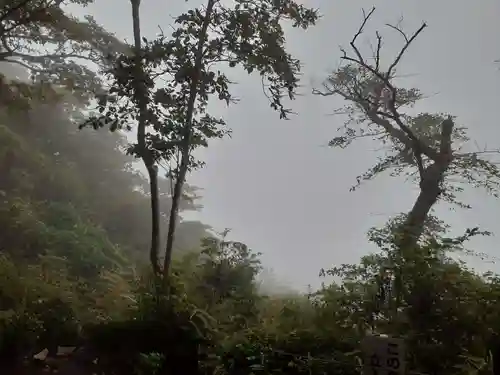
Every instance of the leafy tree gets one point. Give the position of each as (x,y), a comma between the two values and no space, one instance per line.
(173,119)
(227,281)
(40,36)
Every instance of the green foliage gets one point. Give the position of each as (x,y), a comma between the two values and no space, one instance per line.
(249,35)
(41,37)
(173,120)
(150,363)
(227,272)
(74,213)
(36,308)
(442,305)
(296,352)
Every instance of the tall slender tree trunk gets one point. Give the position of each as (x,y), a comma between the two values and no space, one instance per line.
(146,156)
(186,140)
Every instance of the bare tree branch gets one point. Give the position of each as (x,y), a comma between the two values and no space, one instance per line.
(377,53)
(385,78)
(405,48)
(399,31)
(366,17)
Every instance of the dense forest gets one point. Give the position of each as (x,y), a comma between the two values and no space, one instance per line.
(97,138)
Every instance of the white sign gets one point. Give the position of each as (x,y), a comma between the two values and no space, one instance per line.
(383,355)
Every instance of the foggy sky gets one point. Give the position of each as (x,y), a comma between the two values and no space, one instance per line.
(276,183)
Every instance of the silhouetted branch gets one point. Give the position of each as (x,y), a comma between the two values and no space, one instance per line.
(385,77)
(366,17)
(377,53)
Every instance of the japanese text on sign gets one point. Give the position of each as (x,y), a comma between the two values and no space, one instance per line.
(383,355)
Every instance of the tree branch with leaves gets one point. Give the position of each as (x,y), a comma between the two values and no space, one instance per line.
(55,47)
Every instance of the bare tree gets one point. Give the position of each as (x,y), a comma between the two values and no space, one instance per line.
(425,147)
(142,99)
